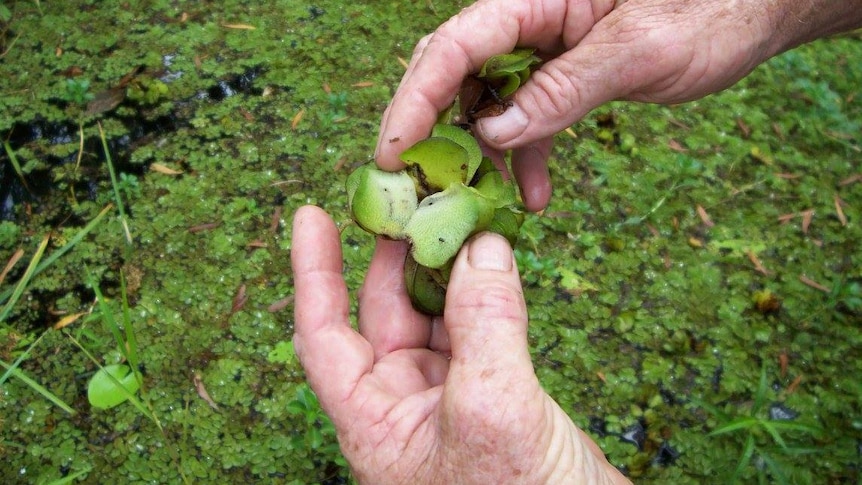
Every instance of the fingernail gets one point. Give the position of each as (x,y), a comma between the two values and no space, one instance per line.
(506,127)
(490,252)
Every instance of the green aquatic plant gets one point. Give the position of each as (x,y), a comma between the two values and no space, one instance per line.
(319,434)
(447,192)
(765,440)
(77,91)
(114,384)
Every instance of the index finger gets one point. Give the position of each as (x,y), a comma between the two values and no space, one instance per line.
(439,64)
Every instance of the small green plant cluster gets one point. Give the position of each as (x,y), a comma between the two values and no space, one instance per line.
(768,439)
(319,433)
(447,193)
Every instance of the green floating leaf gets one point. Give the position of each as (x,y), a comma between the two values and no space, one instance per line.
(442,223)
(104,391)
(283,353)
(381,202)
(439,163)
(467,142)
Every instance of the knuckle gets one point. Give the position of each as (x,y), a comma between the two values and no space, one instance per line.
(556,93)
(491,302)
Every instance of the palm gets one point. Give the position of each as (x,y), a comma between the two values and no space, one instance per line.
(405,411)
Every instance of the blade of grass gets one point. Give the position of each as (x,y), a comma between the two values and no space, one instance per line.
(11,264)
(131,341)
(10,369)
(71,478)
(4,296)
(17,166)
(107,317)
(738,423)
(116,187)
(760,394)
(776,436)
(744,459)
(38,388)
(775,468)
(25,279)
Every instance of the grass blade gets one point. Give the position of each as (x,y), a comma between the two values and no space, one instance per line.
(63,250)
(738,423)
(25,279)
(38,388)
(107,317)
(131,341)
(744,459)
(115,185)
(17,166)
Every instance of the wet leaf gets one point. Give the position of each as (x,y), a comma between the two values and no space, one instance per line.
(439,162)
(381,202)
(105,101)
(425,286)
(160,168)
(239,26)
(441,224)
(104,393)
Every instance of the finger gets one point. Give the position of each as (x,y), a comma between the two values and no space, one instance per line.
(485,315)
(655,52)
(460,46)
(334,356)
(530,167)
(439,341)
(386,316)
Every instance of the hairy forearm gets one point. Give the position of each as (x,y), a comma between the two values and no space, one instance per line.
(799,21)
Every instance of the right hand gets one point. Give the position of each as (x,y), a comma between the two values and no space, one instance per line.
(662,51)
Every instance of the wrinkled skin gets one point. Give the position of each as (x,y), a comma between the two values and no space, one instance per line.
(415,403)
(404,412)
(662,51)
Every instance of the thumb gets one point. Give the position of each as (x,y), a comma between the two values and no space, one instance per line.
(486,316)
(557,95)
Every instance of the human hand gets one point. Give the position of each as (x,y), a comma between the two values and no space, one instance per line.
(663,51)
(407,412)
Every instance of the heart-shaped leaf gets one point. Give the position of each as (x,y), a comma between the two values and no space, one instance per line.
(103,391)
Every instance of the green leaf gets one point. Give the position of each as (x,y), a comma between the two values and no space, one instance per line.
(438,163)
(467,142)
(426,287)
(282,353)
(442,223)
(509,71)
(745,458)
(105,391)
(512,63)
(736,424)
(381,202)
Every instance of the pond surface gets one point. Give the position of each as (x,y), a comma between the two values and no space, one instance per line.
(699,264)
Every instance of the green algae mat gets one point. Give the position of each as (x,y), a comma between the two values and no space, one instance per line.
(695,287)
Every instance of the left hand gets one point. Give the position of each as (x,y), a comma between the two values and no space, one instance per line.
(406,412)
